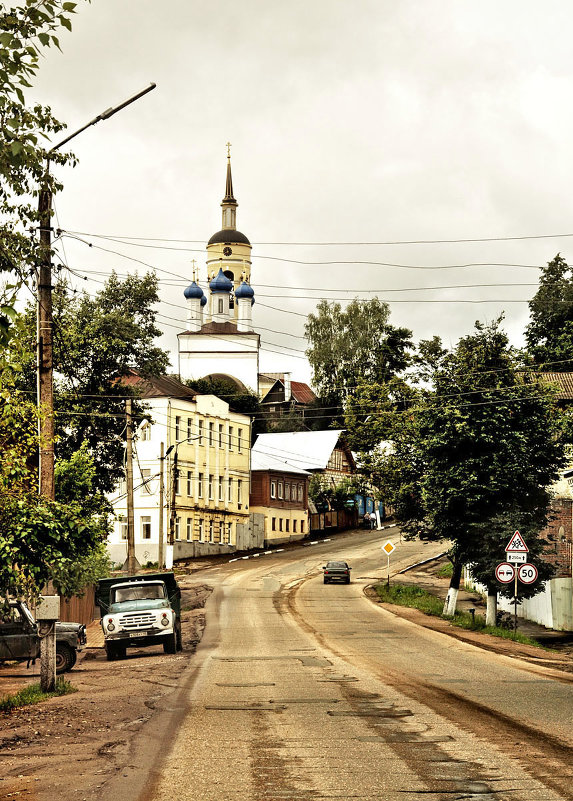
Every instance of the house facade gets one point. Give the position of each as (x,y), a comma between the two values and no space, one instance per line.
(205,491)
(280,494)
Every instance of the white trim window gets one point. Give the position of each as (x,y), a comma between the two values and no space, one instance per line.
(273,489)
(230,489)
(211,531)
(280,490)
(200,425)
(177,428)
(189,529)
(201,530)
(145,527)
(189,483)
(189,427)
(220,435)
(231,432)
(200,485)
(239,439)
(211,498)
(145,432)
(177,528)
(220,494)
(211,433)
(239,492)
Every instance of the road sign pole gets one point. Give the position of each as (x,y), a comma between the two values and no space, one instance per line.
(388,571)
(515,608)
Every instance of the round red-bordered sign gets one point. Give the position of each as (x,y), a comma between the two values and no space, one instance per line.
(527,573)
(505,572)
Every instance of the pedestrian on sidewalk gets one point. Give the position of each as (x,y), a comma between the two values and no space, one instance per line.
(373,520)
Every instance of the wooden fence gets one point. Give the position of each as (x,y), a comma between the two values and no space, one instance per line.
(333,520)
(79,610)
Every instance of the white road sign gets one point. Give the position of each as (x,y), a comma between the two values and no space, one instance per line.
(516,557)
(517,543)
(527,574)
(505,573)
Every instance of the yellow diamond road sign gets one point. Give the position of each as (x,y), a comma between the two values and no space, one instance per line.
(388,547)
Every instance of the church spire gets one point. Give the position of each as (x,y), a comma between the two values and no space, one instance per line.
(229,204)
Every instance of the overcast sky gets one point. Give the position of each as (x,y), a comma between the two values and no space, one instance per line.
(351,121)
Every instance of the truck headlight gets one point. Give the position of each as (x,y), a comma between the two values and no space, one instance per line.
(165,619)
(110,625)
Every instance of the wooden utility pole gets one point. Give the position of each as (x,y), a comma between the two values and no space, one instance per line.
(45,348)
(172,513)
(131,560)
(160,554)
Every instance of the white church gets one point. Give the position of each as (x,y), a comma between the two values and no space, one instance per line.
(220,341)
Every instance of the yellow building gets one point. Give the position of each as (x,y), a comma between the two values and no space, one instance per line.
(206,461)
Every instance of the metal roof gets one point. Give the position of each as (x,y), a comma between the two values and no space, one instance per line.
(306,450)
(267,461)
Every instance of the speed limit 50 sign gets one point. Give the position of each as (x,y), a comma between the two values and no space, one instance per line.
(527,573)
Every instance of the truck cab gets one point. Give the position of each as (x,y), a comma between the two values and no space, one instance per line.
(138,611)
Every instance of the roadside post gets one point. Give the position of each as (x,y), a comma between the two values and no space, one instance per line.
(389,549)
(47,612)
(516,568)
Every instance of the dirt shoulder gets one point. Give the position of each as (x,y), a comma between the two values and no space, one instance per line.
(559,658)
(68,747)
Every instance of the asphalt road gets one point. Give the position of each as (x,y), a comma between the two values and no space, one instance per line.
(309,691)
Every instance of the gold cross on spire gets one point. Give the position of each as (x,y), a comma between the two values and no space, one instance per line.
(228,146)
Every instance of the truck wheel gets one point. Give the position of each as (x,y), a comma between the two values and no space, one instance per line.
(178,639)
(170,644)
(65,658)
(110,651)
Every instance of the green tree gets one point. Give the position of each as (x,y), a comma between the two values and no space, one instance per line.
(40,539)
(96,341)
(354,344)
(26,30)
(370,413)
(240,401)
(549,334)
(474,459)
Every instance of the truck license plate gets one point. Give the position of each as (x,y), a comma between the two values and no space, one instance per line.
(137,633)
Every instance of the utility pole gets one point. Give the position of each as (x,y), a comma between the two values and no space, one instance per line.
(131,560)
(171,535)
(160,555)
(45,349)
(45,362)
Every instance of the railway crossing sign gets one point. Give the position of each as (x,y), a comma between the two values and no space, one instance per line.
(505,572)
(527,573)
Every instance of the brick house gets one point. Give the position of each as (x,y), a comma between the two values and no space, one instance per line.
(280,493)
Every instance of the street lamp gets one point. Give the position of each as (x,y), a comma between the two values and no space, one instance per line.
(44,313)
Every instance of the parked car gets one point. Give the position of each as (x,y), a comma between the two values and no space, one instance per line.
(20,637)
(336,571)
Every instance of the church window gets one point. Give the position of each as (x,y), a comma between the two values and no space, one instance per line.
(220,309)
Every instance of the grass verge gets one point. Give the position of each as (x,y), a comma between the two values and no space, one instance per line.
(32,694)
(421,599)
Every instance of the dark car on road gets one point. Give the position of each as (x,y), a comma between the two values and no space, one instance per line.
(336,571)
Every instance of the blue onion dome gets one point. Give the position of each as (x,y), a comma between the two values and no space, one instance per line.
(244,290)
(221,283)
(193,291)
(203,301)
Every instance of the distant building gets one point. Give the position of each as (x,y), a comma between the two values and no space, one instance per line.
(280,493)
(281,397)
(323,452)
(211,510)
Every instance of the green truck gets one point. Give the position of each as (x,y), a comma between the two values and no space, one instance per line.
(137,611)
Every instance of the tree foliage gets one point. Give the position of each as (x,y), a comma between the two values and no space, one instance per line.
(243,402)
(354,344)
(549,333)
(96,340)
(474,458)
(26,30)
